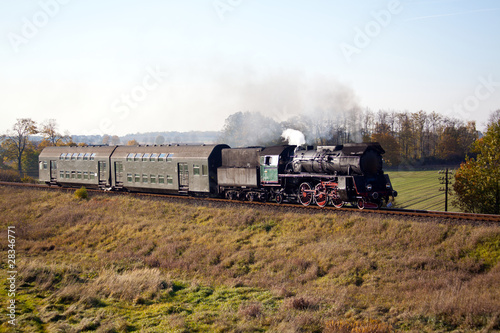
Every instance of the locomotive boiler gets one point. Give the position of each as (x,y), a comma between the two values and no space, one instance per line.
(348,159)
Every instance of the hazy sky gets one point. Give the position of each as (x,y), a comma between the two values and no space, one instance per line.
(126,66)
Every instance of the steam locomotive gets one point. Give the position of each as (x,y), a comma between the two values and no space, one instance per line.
(336,175)
(350,173)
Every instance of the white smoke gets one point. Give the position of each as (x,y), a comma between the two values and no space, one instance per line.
(294,137)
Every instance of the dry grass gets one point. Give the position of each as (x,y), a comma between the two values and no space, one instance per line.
(122,264)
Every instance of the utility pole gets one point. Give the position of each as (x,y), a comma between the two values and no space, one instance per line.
(446,181)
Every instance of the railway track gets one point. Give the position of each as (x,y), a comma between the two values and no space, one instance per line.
(451,216)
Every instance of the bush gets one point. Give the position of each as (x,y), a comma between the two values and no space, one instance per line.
(29,180)
(81,193)
(9,176)
(355,326)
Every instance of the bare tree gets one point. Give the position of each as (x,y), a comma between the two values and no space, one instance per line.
(52,135)
(17,140)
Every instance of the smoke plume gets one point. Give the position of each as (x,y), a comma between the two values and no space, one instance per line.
(294,137)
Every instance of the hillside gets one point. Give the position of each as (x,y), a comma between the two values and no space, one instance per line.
(120,264)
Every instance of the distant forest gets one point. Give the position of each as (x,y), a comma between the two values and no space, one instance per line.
(417,138)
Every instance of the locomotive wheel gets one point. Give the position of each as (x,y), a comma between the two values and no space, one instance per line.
(279,198)
(305,194)
(361,204)
(337,203)
(320,195)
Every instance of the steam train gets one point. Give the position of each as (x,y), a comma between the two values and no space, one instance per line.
(336,175)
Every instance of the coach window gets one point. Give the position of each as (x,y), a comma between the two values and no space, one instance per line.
(67,174)
(204,170)
(73,157)
(145,178)
(137,157)
(196,170)
(145,157)
(137,178)
(161,157)
(92,175)
(161,179)
(45,165)
(153,157)
(92,156)
(79,174)
(130,157)
(152,179)
(62,156)
(73,174)
(170,180)
(85,175)
(80,156)
(129,177)
(61,174)
(169,157)
(86,156)
(68,156)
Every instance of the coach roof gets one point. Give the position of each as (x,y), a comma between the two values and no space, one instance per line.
(100,151)
(196,151)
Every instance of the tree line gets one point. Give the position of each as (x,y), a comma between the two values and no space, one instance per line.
(19,150)
(418,137)
(407,137)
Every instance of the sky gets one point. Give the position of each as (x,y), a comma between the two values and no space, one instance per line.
(119,67)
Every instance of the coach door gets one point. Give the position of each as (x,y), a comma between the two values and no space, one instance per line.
(53,170)
(102,173)
(183,177)
(119,173)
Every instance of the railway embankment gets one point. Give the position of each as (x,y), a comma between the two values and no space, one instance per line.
(121,263)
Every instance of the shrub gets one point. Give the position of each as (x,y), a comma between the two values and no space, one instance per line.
(9,176)
(29,180)
(356,326)
(81,193)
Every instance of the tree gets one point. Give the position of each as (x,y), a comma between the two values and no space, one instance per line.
(17,140)
(115,140)
(106,139)
(159,140)
(51,135)
(477,181)
(250,129)
(392,156)
(132,143)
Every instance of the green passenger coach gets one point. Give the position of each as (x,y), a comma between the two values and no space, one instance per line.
(146,168)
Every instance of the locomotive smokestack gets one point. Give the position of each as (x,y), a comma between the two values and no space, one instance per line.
(294,137)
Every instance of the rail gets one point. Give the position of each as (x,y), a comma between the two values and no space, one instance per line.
(382,211)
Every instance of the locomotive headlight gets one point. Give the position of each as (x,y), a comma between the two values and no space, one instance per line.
(388,186)
(369,187)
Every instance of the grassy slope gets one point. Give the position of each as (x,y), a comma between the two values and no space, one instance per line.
(123,264)
(420,190)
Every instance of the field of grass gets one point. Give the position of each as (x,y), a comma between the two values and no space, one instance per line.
(420,190)
(121,264)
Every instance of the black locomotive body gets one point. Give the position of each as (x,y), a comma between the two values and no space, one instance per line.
(350,173)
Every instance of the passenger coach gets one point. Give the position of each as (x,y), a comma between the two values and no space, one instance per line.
(167,168)
(157,168)
(75,166)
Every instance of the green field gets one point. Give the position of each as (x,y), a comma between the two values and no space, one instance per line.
(420,190)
